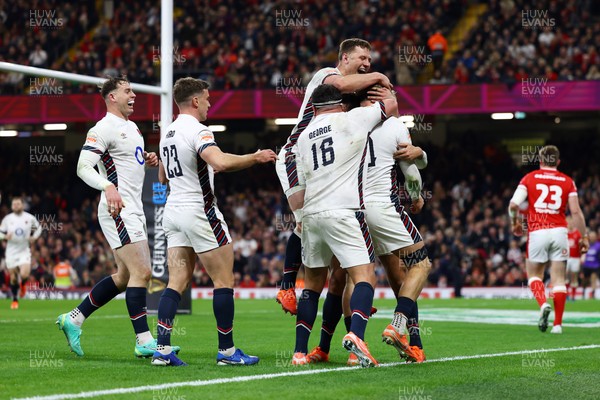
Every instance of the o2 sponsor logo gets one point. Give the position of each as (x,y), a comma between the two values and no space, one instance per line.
(139,155)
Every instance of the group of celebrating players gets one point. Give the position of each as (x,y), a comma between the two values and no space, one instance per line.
(338,171)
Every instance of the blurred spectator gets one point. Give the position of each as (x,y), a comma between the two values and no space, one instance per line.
(437,46)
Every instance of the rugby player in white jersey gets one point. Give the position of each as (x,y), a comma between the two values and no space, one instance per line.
(192,221)
(351,74)
(332,153)
(116,146)
(19,229)
(394,235)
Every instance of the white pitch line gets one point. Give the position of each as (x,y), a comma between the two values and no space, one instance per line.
(12,321)
(163,386)
(125,316)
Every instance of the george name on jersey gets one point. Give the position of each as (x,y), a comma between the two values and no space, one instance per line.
(319,132)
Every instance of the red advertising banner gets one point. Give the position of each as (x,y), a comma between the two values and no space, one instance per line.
(532,95)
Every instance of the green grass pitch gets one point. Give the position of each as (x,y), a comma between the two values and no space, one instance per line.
(37,362)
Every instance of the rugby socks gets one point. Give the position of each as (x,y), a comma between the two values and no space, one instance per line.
(307,313)
(413,328)
(332,312)
(360,304)
(560,298)
(404,310)
(224,309)
(103,292)
(135,297)
(167,308)
(538,289)
(293,260)
(573,292)
(348,323)
(14,289)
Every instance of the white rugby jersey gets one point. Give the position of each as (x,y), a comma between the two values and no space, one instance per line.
(381,183)
(117,147)
(332,151)
(305,114)
(22,226)
(191,179)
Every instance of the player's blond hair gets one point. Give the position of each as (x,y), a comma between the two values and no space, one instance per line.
(549,156)
(349,44)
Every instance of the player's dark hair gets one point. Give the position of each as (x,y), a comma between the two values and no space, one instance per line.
(349,44)
(325,96)
(353,100)
(549,156)
(17,198)
(186,88)
(112,83)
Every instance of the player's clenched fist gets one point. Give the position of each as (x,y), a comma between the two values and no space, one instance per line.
(151,159)
(265,156)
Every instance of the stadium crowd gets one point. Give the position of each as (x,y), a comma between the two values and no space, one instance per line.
(40,34)
(464,222)
(238,44)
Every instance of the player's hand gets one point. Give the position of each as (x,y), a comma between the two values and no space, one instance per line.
(265,156)
(8,236)
(385,82)
(407,152)
(151,159)
(517,229)
(584,244)
(379,93)
(113,200)
(417,205)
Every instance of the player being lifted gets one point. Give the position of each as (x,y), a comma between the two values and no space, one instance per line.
(19,229)
(548,193)
(332,152)
(351,74)
(116,146)
(394,236)
(192,221)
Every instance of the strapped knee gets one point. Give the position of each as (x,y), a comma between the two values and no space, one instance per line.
(416,257)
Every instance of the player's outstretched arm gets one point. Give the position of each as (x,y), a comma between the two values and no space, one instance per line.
(226,162)
(352,83)
(579,223)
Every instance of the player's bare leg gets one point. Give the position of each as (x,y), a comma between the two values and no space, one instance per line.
(558,271)
(14,287)
(332,312)
(535,275)
(181,262)
(573,283)
(24,271)
(314,281)
(361,302)
(410,282)
(293,258)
